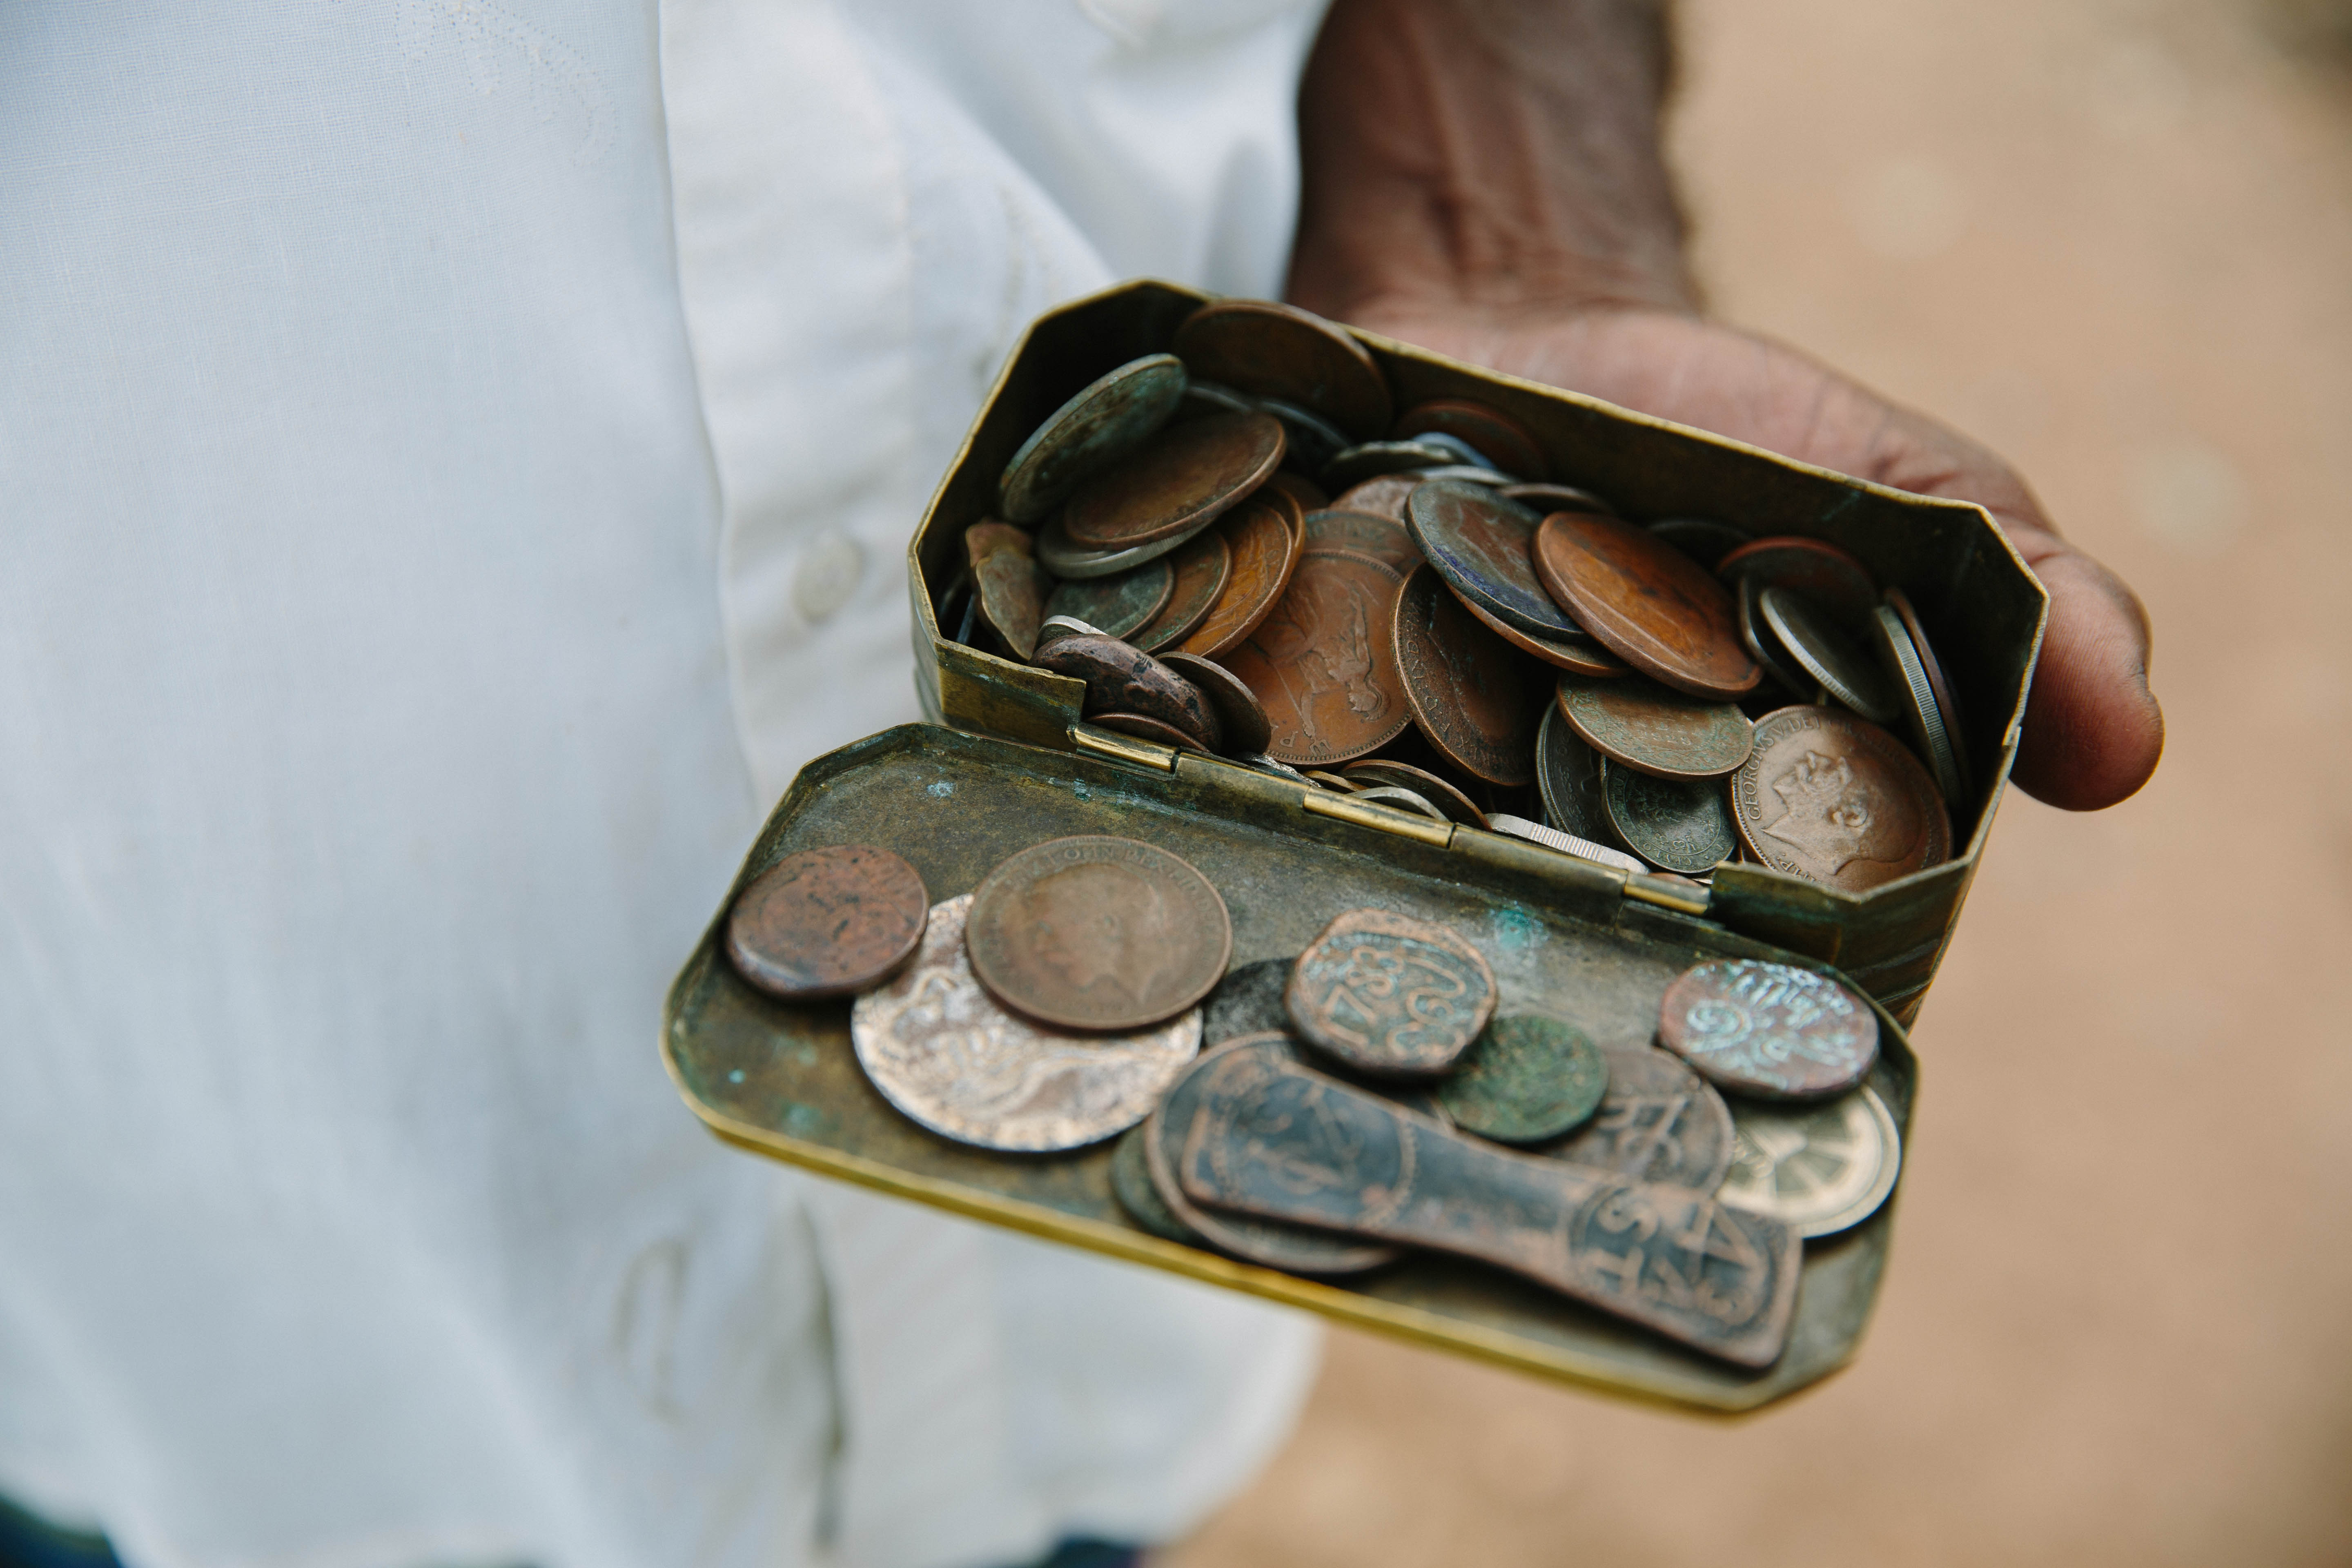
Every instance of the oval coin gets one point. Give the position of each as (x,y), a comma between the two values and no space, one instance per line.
(1119,604)
(1770,1030)
(1655,729)
(1110,417)
(1658,1121)
(1480,542)
(1280,350)
(1836,800)
(1390,996)
(1323,663)
(1648,603)
(1677,825)
(1265,555)
(1817,1169)
(1527,1080)
(828,922)
(1827,654)
(1185,476)
(1467,688)
(1831,577)
(1202,566)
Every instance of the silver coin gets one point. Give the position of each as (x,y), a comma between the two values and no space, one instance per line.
(1399,798)
(1568,776)
(1921,714)
(1764,645)
(1566,843)
(1064,557)
(1827,655)
(1817,1169)
(1067,626)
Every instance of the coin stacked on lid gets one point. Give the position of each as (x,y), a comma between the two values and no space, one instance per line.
(1243,548)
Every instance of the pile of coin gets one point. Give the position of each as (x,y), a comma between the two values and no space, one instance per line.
(1459,633)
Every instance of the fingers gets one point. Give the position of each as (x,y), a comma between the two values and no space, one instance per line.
(2093,731)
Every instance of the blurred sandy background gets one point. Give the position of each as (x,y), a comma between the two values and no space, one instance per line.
(2114,240)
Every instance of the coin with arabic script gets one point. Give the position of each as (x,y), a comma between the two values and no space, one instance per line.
(1771,1030)
(1390,996)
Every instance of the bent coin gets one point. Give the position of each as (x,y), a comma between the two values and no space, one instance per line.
(1527,1080)
(1817,1169)
(828,922)
(1389,994)
(1110,417)
(1654,728)
(1184,477)
(1771,1030)
(1836,800)
(1009,584)
(1647,602)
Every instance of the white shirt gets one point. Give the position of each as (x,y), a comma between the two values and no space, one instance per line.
(456,460)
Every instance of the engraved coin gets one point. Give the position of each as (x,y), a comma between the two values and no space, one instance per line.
(1071,562)
(1704,540)
(1390,996)
(1449,801)
(1184,475)
(826,923)
(1817,1169)
(1247,727)
(1829,577)
(1309,441)
(1568,775)
(1280,350)
(1122,679)
(1653,729)
(938,1048)
(1468,690)
(1544,500)
(1836,800)
(1118,604)
(1130,1183)
(1382,538)
(1145,728)
(1480,542)
(1648,603)
(1770,1030)
(1527,1080)
(1010,584)
(1659,1121)
(1372,459)
(1266,555)
(1499,439)
(1757,635)
(1677,825)
(1583,657)
(1109,419)
(1827,655)
(1946,706)
(1202,568)
(1565,843)
(1324,662)
(1096,933)
(1384,497)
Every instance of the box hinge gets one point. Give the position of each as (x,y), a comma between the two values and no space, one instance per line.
(1121,748)
(1403,823)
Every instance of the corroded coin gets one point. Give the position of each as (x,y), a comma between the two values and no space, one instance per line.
(1247,727)
(1070,562)
(1817,1169)
(1366,533)
(1384,497)
(1568,775)
(1650,604)
(1111,417)
(1324,662)
(1130,1183)
(826,923)
(1677,825)
(1266,555)
(1122,679)
(1898,659)
(1094,932)
(938,1048)
(1009,583)
(1451,803)
(1468,690)
(1280,350)
(1247,1001)
(1584,655)
(1389,994)
(1653,729)
(1202,568)
(1527,1080)
(1770,1030)
(1702,540)
(1118,604)
(1836,800)
(1829,577)
(1145,728)
(1499,439)
(1659,1121)
(1946,704)
(1827,655)
(1546,498)
(1756,634)
(1480,542)
(1184,475)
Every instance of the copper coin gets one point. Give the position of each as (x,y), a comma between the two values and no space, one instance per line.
(1757,635)
(1705,541)
(1468,690)
(1567,775)
(1677,825)
(1009,584)
(1373,459)
(1653,729)
(1337,784)
(1279,350)
(1130,1183)
(1070,563)
(1119,604)
(1384,497)
(1946,704)
(828,922)
(1770,1030)
(1501,439)
(1827,655)
(1659,1121)
(1204,398)
(1546,498)
(1123,679)
(1310,496)
(938,1048)
(1366,533)
(1583,658)
(1109,419)
(1184,475)
(1144,728)
(1324,662)
(1480,542)
(1836,800)
(1294,516)
(1817,1169)
(1449,801)
(1202,568)
(1898,657)
(1650,604)
(1247,727)
(1390,996)
(1831,577)
(1309,441)
(1096,933)
(1527,1080)
(1265,553)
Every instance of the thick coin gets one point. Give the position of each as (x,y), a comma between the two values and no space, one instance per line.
(1677,825)
(1401,799)
(1145,728)
(1096,932)
(1384,497)
(1324,662)
(1296,1249)
(1468,690)
(1568,776)
(1102,423)
(1310,496)
(1946,706)
(1836,800)
(1527,1080)
(1817,1169)
(1247,727)
(938,1048)
(1265,555)
(1770,1030)
(1827,655)
(1546,498)
(1583,657)
(1652,729)
(1373,459)
(1565,843)
(1499,439)
(1480,542)
(1832,578)
(1121,604)
(1071,562)
(1183,477)
(1390,996)
(1757,635)
(1449,801)
(828,922)
(1009,584)
(1130,1183)
(1898,659)
(1203,567)
(1280,350)
(1702,540)
(1366,533)
(1659,1121)
(1122,679)
(1648,603)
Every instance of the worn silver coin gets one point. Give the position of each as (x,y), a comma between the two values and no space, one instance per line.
(1817,1169)
(1827,655)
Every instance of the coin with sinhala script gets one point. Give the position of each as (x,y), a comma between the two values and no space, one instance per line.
(1827,653)
(1011,585)
(1468,690)
(1118,604)
(1653,729)
(1122,679)
(1527,1080)
(1677,825)
(1770,1030)
(1182,476)
(828,922)
(1390,996)
(1096,932)
(939,1048)
(1836,800)
(1648,603)
(1266,555)
(1479,541)
(1109,419)
(1817,1169)
(1202,568)
(1323,662)
(1658,1121)
(1270,350)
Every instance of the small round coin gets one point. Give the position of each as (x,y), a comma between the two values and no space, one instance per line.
(1467,688)
(1266,555)
(1817,1169)
(1836,800)
(1677,825)
(1203,566)
(1946,703)
(1118,604)
(1655,729)
(1247,727)
(941,1051)
(1831,577)
(1390,996)
(1527,1080)
(1831,657)
(1366,533)
(1479,541)
(1650,604)
(1456,805)
(828,922)
(1130,1183)
(1183,477)
(1583,657)
(1109,419)
(1499,439)
(1011,585)
(1122,679)
(1770,1030)
(1280,350)
(1568,775)
(1324,663)
(1658,1121)
(1096,932)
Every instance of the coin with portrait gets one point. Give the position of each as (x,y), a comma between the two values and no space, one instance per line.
(1833,798)
(1323,662)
